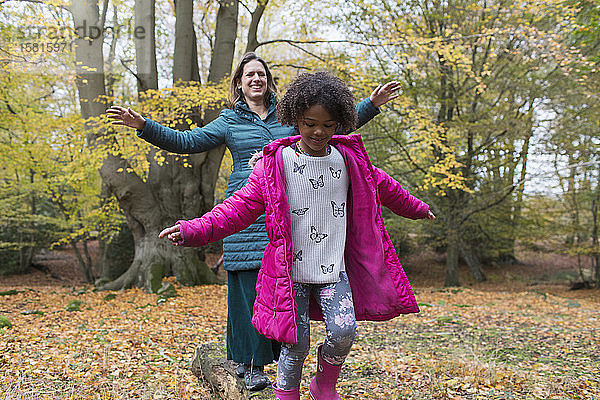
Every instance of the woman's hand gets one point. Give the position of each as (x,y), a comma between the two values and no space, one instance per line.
(172,233)
(384,93)
(430,215)
(126,117)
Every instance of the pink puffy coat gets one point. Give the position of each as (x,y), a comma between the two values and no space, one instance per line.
(380,288)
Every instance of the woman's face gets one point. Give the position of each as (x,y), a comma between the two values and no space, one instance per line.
(253,81)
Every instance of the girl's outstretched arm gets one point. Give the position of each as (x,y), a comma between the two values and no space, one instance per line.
(236,213)
(397,199)
(173,233)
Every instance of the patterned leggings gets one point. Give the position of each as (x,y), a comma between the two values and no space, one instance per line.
(335,300)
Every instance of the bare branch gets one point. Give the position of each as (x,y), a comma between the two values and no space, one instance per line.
(295,43)
(275,66)
(252,42)
(490,205)
(39,2)
(123,62)
(103,17)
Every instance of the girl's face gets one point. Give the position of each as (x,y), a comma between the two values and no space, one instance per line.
(316,129)
(253,81)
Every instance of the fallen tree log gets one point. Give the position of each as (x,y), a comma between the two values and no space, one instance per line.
(211,366)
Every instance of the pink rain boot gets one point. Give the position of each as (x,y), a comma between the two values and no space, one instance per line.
(322,387)
(290,394)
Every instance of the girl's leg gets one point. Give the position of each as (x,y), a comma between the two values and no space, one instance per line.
(338,310)
(340,322)
(291,359)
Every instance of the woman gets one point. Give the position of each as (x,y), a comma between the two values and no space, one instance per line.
(245,128)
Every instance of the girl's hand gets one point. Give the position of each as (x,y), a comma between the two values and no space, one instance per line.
(172,233)
(126,117)
(430,215)
(385,93)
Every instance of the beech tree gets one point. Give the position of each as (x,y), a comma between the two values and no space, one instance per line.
(475,75)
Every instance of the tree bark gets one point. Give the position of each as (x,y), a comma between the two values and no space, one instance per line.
(252,41)
(185,62)
(211,365)
(89,64)
(171,191)
(86,269)
(453,242)
(225,35)
(472,260)
(145,45)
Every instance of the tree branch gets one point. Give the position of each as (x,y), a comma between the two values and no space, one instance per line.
(103,17)
(252,42)
(39,2)
(492,204)
(137,77)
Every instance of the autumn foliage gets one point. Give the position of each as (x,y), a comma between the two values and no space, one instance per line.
(501,340)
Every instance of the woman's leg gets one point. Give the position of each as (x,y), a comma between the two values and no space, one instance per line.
(291,359)
(244,343)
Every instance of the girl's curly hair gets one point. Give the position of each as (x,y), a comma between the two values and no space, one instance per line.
(319,88)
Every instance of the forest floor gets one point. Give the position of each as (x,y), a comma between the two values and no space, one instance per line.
(522,334)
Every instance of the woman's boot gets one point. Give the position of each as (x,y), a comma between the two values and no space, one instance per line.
(322,387)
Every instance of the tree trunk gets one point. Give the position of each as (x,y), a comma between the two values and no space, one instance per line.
(453,242)
(185,62)
(171,191)
(86,269)
(595,241)
(146,210)
(89,58)
(115,256)
(211,365)
(225,35)
(472,260)
(252,40)
(154,259)
(145,45)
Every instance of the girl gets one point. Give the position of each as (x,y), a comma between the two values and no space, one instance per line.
(245,127)
(321,197)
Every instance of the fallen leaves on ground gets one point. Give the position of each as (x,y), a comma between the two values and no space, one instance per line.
(465,344)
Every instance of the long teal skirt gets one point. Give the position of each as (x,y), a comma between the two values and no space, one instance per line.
(244,343)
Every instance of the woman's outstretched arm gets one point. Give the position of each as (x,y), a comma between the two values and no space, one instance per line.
(368,108)
(196,140)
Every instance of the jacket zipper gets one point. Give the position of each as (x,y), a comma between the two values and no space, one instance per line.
(274,303)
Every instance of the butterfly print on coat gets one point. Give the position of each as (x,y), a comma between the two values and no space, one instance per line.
(300,211)
(327,269)
(335,173)
(297,256)
(299,168)
(317,183)
(316,236)
(338,211)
